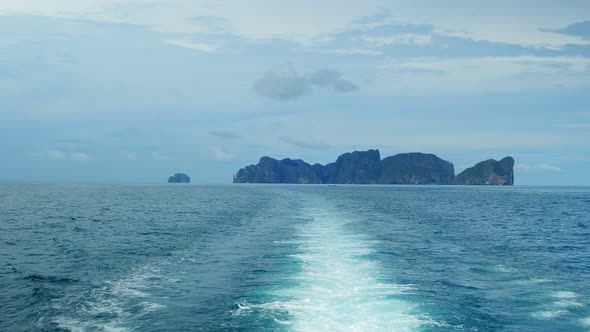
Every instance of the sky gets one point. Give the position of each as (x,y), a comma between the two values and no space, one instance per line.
(136,90)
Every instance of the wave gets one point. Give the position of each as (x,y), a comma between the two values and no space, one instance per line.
(550,314)
(112,306)
(564,295)
(35,277)
(563,302)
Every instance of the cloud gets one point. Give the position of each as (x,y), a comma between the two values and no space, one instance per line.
(470,74)
(404,39)
(381,15)
(418,70)
(311,145)
(538,167)
(210,23)
(350,51)
(579,29)
(283,83)
(221,154)
(297,22)
(159,156)
(332,78)
(198,46)
(60,155)
(224,134)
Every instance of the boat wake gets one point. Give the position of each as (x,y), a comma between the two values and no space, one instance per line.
(338,287)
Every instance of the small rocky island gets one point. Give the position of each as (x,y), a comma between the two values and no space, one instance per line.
(367,167)
(179,178)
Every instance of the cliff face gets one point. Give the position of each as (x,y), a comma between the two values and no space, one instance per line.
(366,167)
(416,168)
(361,167)
(489,172)
(269,170)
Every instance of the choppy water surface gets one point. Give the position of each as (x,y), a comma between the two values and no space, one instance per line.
(293,258)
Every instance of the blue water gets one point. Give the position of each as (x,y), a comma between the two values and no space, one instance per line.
(84,257)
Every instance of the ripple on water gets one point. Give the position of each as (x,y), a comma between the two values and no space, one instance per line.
(50,279)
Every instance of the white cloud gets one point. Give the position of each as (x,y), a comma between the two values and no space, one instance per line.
(160,156)
(305,20)
(289,19)
(60,155)
(481,73)
(224,134)
(203,47)
(221,154)
(496,66)
(538,167)
(405,39)
(350,51)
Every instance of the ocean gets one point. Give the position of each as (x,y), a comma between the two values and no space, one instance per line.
(133,257)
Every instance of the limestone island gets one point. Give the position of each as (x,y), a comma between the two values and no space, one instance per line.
(179,178)
(367,167)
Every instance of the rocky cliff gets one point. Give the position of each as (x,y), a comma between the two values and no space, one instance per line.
(362,167)
(489,172)
(179,178)
(416,168)
(366,167)
(270,170)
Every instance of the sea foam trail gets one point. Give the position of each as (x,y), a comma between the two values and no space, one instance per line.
(338,287)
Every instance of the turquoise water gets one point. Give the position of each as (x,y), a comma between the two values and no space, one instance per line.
(84,257)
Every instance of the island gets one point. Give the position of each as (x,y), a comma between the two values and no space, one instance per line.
(367,167)
(179,178)
(489,172)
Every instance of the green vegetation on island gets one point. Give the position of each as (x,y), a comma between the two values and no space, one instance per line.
(367,167)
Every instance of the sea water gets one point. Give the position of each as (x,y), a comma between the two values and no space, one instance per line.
(118,257)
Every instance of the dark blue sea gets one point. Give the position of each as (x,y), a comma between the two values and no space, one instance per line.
(118,257)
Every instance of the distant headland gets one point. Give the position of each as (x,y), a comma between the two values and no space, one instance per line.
(367,167)
(179,178)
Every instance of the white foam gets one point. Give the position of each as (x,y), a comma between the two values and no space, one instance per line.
(504,269)
(550,314)
(563,300)
(585,321)
(564,295)
(540,280)
(568,304)
(112,300)
(338,287)
(151,306)
(79,326)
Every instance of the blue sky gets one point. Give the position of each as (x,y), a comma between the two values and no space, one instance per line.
(134,90)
